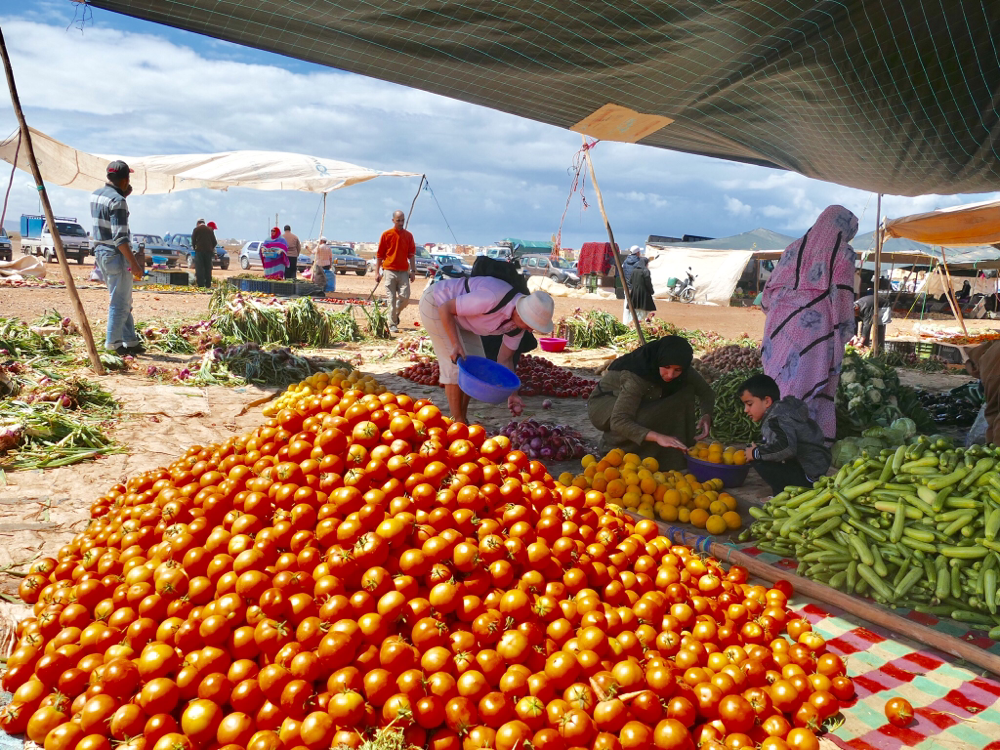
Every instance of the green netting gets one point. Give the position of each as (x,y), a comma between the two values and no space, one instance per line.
(895,96)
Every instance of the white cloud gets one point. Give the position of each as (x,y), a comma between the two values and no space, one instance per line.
(122,86)
(736,207)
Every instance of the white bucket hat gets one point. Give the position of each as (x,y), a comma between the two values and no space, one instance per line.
(536,310)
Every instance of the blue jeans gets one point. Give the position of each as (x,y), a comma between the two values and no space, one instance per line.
(118,277)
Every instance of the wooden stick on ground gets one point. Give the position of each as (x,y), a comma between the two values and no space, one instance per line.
(863,609)
(611,239)
(955,307)
(81,315)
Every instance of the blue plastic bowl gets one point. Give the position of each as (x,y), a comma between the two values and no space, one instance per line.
(730,474)
(485,380)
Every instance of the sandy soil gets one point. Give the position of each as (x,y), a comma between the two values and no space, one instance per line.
(30,302)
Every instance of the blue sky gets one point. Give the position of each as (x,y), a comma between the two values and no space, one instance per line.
(106,83)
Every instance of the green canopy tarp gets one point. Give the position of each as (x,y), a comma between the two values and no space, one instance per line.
(898,96)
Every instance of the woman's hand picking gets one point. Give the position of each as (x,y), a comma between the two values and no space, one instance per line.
(667,441)
(704,427)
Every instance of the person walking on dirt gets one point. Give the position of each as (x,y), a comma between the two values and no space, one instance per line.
(294,249)
(203,246)
(632,262)
(113,254)
(396,260)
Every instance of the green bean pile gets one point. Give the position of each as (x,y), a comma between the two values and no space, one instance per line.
(913,527)
(729,422)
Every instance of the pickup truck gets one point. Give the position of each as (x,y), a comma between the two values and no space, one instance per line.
(182,243)
(37,240)
(6,247)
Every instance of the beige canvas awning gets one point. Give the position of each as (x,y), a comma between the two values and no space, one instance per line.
(971,224)
(259,170)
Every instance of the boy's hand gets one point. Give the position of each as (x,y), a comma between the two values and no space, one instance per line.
(749,453)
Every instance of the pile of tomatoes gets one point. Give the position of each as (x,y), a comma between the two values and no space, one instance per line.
(541,377)
(361,563)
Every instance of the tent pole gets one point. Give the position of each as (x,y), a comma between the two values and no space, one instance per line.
(43,197)
(611,239)
(322,222)
(414,201)
(951,294)
(876,322)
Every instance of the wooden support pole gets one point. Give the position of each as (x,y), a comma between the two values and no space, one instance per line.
(322,222)
(866,610)
(876,316)
(50,219)
(414,201)
(611,239)
(952,299)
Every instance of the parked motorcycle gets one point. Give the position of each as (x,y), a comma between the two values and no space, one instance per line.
(682,291)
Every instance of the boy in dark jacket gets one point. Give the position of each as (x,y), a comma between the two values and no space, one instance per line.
(792,451)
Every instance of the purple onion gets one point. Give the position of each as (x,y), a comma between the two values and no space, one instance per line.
(536,443)
(546,452)
(547,403)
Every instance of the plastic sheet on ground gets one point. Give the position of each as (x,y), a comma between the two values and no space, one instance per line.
(24,266)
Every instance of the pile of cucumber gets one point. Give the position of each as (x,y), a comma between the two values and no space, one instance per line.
(912,527)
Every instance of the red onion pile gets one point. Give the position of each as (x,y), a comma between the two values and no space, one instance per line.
(540,377)
(545,441)
(425,372)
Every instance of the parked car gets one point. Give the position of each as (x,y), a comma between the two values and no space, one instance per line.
(448,259)
(250,256)
(557,269)
(425,262)
(153,246)
(345,260)
(498,253)
(6,247)
(183,244)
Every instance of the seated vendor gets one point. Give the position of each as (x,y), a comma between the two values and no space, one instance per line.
(646,402)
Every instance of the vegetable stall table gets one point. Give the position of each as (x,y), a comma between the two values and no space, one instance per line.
(956,706)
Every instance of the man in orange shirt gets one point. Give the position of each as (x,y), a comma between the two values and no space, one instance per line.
(396,260)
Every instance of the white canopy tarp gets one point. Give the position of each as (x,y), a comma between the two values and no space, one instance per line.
(260,170)
(716,271)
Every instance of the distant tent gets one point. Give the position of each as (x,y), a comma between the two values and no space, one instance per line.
(717,264)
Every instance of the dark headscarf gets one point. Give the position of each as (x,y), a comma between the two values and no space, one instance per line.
(647,360)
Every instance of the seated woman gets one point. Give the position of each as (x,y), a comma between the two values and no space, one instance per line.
(645,403)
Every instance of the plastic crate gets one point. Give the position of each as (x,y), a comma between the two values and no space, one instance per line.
(171,278)
(255,285)
(283,288)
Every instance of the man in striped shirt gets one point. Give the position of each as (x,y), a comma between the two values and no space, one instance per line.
(113,253)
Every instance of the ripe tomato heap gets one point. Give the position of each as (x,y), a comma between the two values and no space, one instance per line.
(361,562)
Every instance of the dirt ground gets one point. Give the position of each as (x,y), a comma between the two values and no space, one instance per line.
(30,302)
(40,511)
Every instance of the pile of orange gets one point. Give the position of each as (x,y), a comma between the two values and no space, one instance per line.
(717,453)
(637,484)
